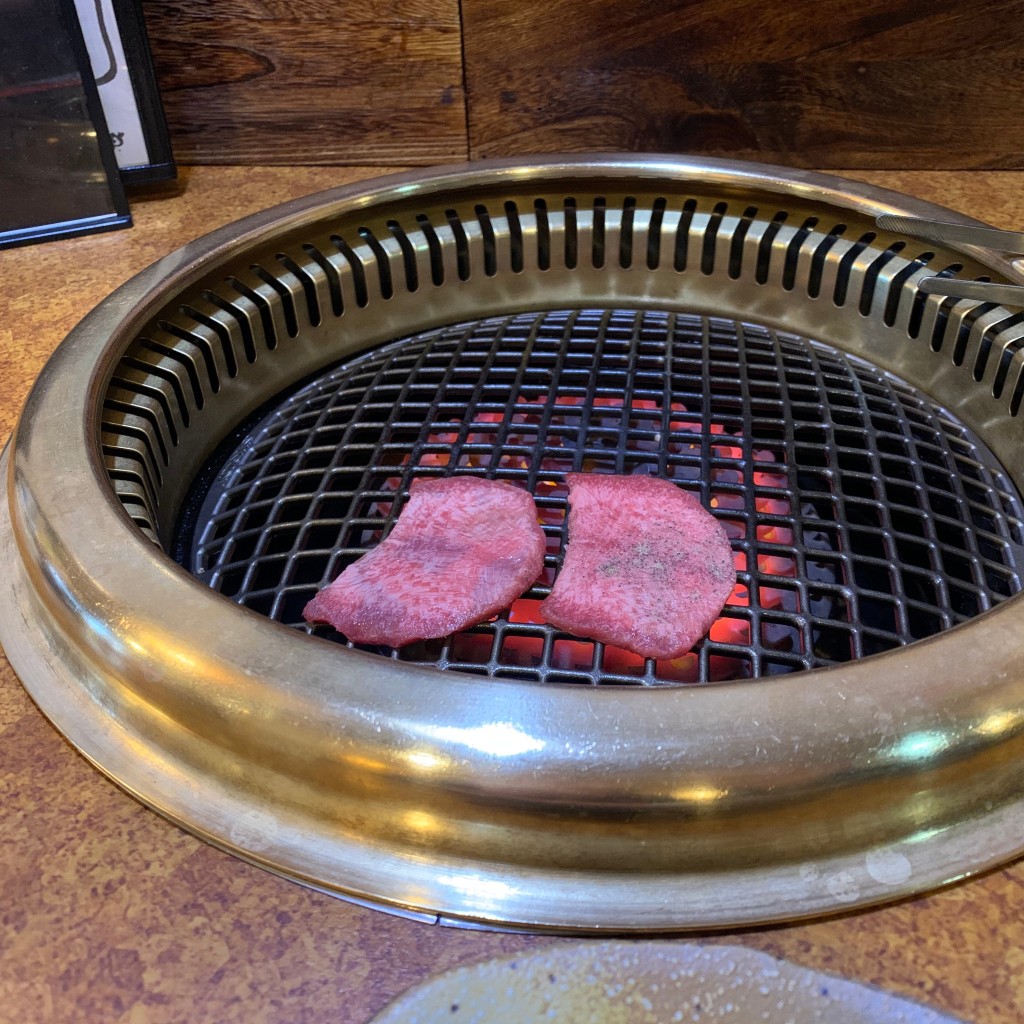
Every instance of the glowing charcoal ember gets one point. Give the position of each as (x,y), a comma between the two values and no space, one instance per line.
(437,459)
(525,609)
(462,550)
(727,630)
(680,670)
(481,436)
(776,565)
(778,599)
(555,488)
(727,500)
(550,516)
(434,460)
(621,662)
(647,568)
(732,629)
(775,534)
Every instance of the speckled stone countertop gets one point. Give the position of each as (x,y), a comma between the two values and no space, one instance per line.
(109,913)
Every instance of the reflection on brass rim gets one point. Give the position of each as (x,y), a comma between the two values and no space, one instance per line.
(494,801)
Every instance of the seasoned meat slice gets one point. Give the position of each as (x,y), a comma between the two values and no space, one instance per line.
(647,567)
(462,549)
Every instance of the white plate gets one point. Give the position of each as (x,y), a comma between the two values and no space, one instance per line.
(649,983)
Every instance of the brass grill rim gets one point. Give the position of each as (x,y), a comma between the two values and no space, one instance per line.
(505,803)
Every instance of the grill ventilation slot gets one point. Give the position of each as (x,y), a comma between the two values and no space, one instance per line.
(205,347)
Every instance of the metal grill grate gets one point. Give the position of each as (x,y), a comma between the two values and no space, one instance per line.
(862,516)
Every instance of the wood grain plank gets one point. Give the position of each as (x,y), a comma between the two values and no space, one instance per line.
(808,83)
(263,88)
(380,12)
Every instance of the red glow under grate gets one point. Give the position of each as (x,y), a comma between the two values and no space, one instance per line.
(574,655)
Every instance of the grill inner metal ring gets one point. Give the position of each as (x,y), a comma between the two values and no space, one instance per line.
(863,516)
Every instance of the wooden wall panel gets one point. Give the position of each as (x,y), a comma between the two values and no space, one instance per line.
(826,83)
(310,81)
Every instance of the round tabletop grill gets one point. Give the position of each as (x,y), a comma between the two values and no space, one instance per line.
(257,405)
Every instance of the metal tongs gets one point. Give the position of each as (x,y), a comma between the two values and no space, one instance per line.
(1009,242)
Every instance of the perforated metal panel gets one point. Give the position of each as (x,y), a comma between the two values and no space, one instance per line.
(205,358)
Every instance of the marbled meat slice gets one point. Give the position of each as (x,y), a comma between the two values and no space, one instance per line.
(647,567)
(463,548)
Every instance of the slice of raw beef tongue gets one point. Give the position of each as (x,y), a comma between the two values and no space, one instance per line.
(647,567)
(462,549)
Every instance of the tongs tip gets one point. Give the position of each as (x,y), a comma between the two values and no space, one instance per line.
(953,233)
